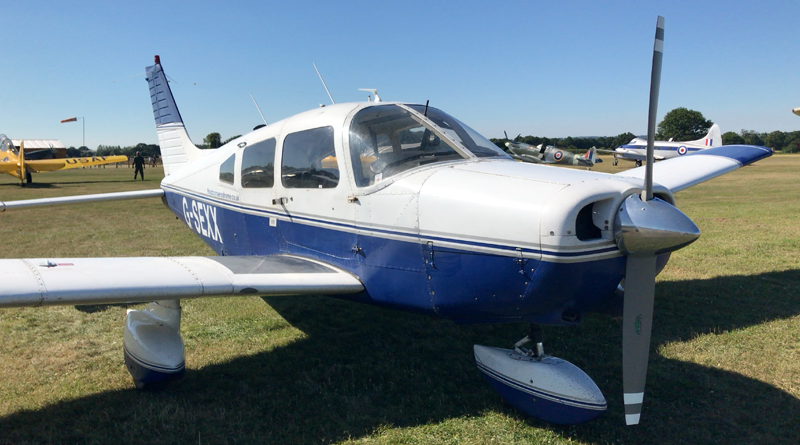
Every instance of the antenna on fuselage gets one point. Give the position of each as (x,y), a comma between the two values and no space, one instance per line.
(373,91)
(323,83)
(259,109)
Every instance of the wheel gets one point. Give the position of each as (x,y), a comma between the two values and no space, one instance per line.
(28,177)
(638,163)
(615,162)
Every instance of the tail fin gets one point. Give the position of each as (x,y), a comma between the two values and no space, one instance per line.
(177,149)
(713,138)
(591,155)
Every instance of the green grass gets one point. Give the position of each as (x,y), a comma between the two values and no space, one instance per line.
(724,365)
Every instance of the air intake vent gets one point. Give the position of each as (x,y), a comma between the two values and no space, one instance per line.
(584,226)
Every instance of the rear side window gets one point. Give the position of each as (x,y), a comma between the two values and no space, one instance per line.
(226,170)
(309,160)
(258,165)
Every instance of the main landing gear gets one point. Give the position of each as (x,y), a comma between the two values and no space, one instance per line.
(152,343)
(540,385)
(638,163)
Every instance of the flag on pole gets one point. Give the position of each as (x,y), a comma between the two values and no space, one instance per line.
(72,119)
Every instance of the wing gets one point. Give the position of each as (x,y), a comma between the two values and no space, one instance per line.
(64,200)
(630,155)
(48,165)
(685,171)
(524,158)
(71,281)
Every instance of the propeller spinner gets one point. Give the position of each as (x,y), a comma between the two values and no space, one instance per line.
(645,227)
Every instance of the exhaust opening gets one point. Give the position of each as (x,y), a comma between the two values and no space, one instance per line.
(584,225)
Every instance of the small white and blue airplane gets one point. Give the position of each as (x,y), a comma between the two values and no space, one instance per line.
(636,149)
(399,205)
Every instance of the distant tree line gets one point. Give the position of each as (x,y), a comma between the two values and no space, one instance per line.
(680,124)
(214,140)
(146,150)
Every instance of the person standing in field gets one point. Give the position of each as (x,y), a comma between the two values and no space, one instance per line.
(138,165)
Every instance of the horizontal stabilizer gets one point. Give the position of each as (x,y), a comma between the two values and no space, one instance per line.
(683,172)
(71,281)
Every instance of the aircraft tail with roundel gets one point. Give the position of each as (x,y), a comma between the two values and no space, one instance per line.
(177,149)
(712,139)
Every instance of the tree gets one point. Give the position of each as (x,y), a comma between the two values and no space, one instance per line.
(213,140)
(793,146)
(622,139)
(731,138)
(751,137)
(231,138)
(775,140)
(682,124)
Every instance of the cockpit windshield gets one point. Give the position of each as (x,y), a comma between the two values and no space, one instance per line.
(469,138)
(386,140)
(6,145)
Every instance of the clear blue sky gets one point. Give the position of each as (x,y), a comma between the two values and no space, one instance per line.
(550,69)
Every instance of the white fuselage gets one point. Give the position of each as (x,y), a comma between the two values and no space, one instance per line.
(433,227)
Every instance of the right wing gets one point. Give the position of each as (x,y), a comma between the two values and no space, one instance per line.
(74,281)
(683,172)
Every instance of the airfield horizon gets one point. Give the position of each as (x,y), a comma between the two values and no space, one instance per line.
(724,362)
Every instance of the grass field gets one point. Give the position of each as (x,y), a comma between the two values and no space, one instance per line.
(724,364)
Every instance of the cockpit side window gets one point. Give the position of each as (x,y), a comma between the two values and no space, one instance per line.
(309,159)
(386,140)
(226,170)
(258,165)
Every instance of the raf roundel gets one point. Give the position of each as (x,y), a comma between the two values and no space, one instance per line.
(682,150)
(558,155)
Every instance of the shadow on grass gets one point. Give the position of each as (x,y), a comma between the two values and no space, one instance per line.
(362,368)
(34,185)
(92,308)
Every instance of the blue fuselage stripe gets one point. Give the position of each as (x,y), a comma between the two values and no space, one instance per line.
(460,283)
(354,228)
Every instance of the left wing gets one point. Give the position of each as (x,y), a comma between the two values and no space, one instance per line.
(683,172)
(72,281)
(526,158)
(48,165)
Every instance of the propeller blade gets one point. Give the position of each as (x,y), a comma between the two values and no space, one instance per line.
(655,85)
(637,321)
(506,134)
(643,230)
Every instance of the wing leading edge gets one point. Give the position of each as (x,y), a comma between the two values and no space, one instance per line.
(683,172)
(71,281)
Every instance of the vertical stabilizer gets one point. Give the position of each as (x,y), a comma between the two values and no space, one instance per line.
(591,155)
(713,138)
(177,149)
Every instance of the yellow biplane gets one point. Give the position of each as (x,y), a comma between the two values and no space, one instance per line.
(14,164)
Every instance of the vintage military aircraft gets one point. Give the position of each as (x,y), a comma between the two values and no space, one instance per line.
(636,149)
(12,163)
(399,205)
(541,154)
